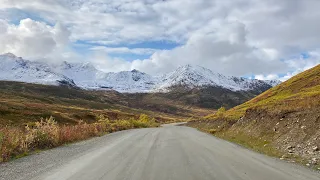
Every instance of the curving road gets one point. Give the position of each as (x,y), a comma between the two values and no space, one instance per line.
(167,153)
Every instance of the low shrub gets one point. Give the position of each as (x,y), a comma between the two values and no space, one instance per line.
(212,131)
(12,142)
(139,124)
(219,114)
(16,142)
(45,134)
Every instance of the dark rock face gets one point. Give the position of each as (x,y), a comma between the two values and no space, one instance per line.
(67,83)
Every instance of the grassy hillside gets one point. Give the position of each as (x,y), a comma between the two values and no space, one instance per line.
(201,98)
(211,97)
(283,121)
(298,93)
(22,102)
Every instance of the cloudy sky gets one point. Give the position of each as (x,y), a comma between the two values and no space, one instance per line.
(264,39)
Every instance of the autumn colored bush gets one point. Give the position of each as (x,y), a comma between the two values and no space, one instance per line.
(11,142)
(15,142)
(45,134)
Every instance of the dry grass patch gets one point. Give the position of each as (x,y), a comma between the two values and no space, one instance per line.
(17,142)
(296,94)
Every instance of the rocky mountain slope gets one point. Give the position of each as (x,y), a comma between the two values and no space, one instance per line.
(85,75)
(284,120)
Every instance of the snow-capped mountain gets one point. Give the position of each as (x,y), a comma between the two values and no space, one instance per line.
(130,81)
(85,75)
(13,68)
(197,76)
(273,82)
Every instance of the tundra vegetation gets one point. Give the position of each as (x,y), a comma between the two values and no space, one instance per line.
(284,121)
(17,142)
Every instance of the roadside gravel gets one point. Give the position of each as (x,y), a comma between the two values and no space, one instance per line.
(38,163)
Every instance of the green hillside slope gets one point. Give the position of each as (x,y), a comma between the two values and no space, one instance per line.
(301,92)
(283,121)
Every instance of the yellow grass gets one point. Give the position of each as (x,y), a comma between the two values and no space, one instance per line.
(298,93)
(17,142)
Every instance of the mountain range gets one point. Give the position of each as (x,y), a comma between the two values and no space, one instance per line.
(87,76)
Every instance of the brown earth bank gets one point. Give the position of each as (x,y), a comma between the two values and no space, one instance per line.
(293,136)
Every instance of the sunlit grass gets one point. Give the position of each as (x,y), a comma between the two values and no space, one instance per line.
(298,93)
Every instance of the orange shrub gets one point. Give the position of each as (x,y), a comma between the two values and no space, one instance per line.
(48,134)
(11,143)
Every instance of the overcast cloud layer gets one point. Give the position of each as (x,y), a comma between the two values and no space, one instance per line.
(265,39)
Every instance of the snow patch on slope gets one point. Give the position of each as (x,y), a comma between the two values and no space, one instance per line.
(273,82)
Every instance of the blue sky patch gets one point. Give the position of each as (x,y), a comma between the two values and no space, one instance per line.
(305,55)
(15,15)
(158,45)
(129,57)
(161,45)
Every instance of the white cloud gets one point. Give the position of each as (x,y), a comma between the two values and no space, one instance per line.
(229,55)
(267,77)
(234,37)
(301,64)
(32,39)
(105,63)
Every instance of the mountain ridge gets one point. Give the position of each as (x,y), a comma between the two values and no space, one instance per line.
(87,76)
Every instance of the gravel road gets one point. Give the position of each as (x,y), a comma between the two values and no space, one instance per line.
(167,153)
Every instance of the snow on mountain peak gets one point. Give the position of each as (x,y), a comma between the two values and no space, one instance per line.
(273,82)
(9,55)
(65,65)
(13,68)
(186,75)
(88,66)
(86,76)
(197,76)
(135,71)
